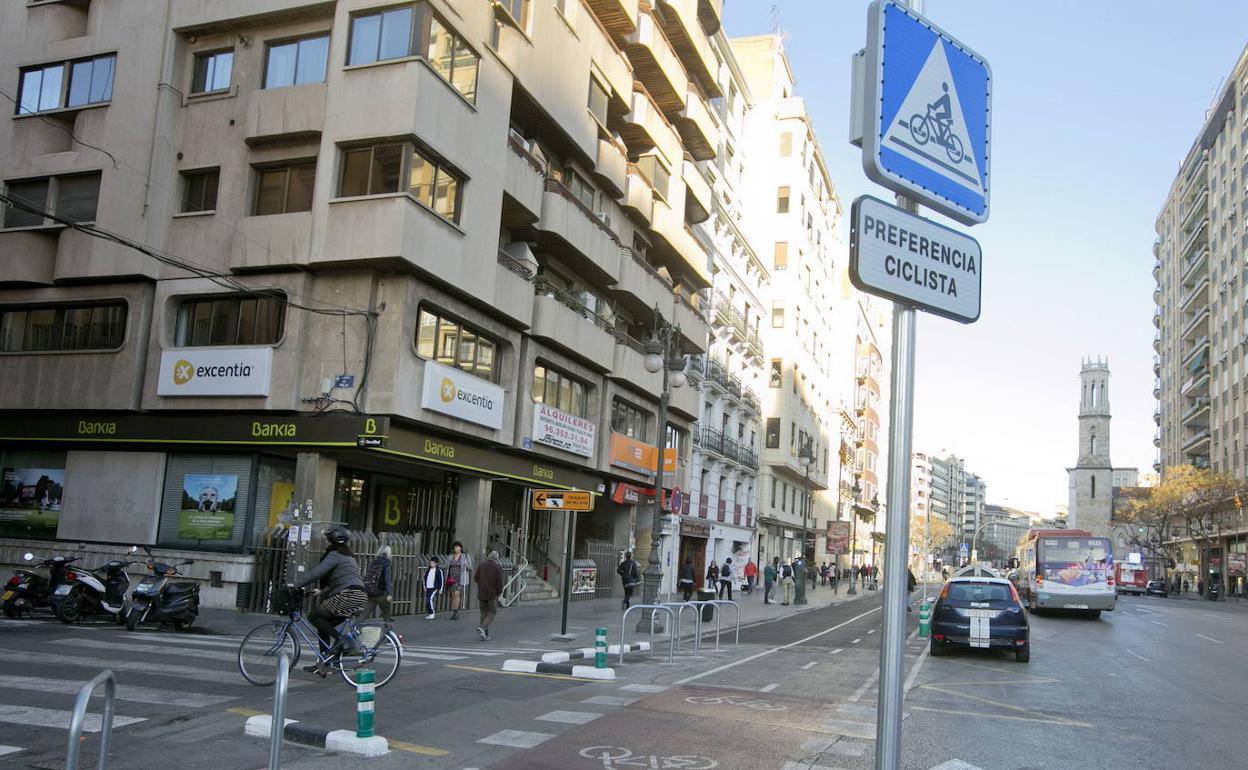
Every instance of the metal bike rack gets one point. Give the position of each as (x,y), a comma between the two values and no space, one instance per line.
(277,726)
(109,680)
(697,623)
(700,604)
(737,638)
(671,648)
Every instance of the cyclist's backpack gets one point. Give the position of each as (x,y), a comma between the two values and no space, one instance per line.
(372,578)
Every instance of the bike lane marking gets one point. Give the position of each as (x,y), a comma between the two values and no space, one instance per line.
(810,665)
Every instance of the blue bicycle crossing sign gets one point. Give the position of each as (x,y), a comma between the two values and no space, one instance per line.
(928,113)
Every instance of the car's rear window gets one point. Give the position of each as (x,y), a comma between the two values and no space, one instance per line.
(978,592)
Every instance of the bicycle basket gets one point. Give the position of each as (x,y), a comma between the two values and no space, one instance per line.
(284,599)
(369,636)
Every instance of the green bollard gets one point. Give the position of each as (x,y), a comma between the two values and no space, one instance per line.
(600,648)
(365,692)
(925,619)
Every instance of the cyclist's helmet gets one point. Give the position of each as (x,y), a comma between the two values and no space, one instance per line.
(337,535)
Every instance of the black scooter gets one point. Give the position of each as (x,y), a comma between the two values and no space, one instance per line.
(29,590)
(157,599)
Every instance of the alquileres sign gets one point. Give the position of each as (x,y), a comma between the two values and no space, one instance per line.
(561,430)
(459,394)
(228,371)
(895,254)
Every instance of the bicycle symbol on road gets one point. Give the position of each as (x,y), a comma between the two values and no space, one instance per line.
(618,756)
(732,700)
(936,125)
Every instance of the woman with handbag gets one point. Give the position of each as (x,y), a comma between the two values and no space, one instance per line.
(458,575)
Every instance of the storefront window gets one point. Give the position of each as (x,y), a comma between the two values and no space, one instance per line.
(206,501)
(351,499)
(275,493)
(32,485)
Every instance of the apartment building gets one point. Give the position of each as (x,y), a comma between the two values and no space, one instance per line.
(392,262)
(957,496)
(1201,338)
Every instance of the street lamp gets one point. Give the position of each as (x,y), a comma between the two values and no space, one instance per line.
(853,541)
(807,456)
(662,355)
(975,539)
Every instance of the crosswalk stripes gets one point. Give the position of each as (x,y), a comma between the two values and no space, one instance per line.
(33,716)
(125,692)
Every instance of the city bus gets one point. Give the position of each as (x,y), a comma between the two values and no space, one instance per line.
(1065,569)
(1132,578)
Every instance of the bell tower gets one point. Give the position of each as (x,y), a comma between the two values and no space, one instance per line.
(1091,480)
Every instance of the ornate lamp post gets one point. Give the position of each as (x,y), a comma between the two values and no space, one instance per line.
(662,355)
(853,542)
(807,457)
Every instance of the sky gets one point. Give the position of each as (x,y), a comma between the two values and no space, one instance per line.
(1095,105)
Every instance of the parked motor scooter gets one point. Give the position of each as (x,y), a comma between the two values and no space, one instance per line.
(29,590)
(157,599)
(102,591)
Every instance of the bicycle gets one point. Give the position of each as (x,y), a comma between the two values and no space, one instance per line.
(925,128)
(367,644)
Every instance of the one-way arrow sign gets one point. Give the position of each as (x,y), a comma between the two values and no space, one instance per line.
(560,500)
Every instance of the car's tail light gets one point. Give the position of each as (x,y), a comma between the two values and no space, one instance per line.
(938,637)
(944,592)
(1039,579)
(1014,593)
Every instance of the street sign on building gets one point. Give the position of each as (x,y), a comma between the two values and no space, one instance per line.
(560,500)
(906,258)
(927,117)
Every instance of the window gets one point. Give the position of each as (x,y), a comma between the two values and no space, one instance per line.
(557,389)
(628,420)
(777,315)
(200,190)
(781,260)
(380,168)
(786,144)
(776,376)
(74,197)
(233,319)
(655,173)
(1094,486)
(212,72)
(285,189)
(296,62)
(449,342)
(773,492)
(579,187)
(598,100)
(62,327)
(518,9)
(43,88)
(414,30)
(782,200)
(773,432)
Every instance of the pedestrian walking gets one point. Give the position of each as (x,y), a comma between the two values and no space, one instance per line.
(489,579)
(834,577)
(769,579)
(786,583)
(725,579)
(379,584)
(712,576)
(630,576)
(1200,586)
(911,583)
(813,573)
(1185,586)
(751,576)
(458,576)
(686,579)
(435,581)
(338,584)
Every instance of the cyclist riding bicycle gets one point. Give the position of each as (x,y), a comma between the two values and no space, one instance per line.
(341,589)
(942,112)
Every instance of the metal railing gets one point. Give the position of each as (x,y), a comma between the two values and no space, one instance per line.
(109,680)
(671,646)
(513,589)
(546,287)
(514,265)
(556,186)
(697,623)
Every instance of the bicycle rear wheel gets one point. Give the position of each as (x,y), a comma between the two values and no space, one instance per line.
(260,650)
(380,651)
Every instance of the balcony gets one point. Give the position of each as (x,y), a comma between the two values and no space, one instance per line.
(561,319)
(1157,270)
(1201,345)
(698,199)
(1197,414)
(629,366)
(577,235)
(638,194)
(1197,384)
(655,63)
(1198,292)
(640,286)
(751,401)
(712,441)
(512,287)
(1156,364)
(716,375)
(1199,206)
(1197,442)
(28,257)
(754,343)
(1157,318)
(679,19)
(1198,174)
(1192,267)
(1199,237)
(710,13)
(675,242)
(697,128)
(748,458)
(524,179)
(611,168)
(1198,323)
(733,386)
(618,16)
(1157,438)
(1156,387)
(285,115)
(645,128)
(694,329)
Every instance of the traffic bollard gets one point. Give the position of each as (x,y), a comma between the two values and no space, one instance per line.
(365,692)
(925,619)
(600,648)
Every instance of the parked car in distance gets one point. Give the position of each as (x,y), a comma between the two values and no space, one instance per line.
(980,611)
(1156,588)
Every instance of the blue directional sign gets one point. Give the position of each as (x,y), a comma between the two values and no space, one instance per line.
(928,113)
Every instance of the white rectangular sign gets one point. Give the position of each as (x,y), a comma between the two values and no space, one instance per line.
(561,430)
(215,371)
(901,256)
(459,394)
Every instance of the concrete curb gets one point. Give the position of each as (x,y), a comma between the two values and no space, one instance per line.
(581,672)
(261,726)
(589,652)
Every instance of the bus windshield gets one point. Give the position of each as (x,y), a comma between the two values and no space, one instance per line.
(1075,561)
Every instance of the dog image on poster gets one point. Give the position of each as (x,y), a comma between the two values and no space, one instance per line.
(207,506)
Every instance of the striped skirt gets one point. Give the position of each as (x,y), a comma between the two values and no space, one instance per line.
(345,603)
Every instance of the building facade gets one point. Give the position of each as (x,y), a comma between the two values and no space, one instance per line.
(1094,478)
(404,256)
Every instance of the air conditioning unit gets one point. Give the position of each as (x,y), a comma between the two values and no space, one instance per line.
(604,218)
(518,138)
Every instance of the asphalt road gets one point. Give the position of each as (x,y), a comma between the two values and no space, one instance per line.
(1157,683)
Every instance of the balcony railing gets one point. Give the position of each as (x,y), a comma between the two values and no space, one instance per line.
(748,458)
(1190,383)
(547,288)
(712,440)
(555,186)
(733,386)
(1196,440)
(715,373)
(1201,404)
(751,400)
(514,265)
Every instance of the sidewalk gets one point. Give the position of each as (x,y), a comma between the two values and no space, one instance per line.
(532,626)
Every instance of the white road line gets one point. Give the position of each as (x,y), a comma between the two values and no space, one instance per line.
(10,750)
(37,717)
(870,630)
(862,690)
(1136,654)
(774,650)
(431,655)
(124,691)
(856,641)
(569,717)
(139,666)
(769,687)
(1211,639)
(837,650)
(1158,623)
(610,700)
(157,649)
(810,665)
(647,688)
(516,739)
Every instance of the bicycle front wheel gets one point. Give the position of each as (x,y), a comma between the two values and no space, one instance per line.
(260,651)
(379,650)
